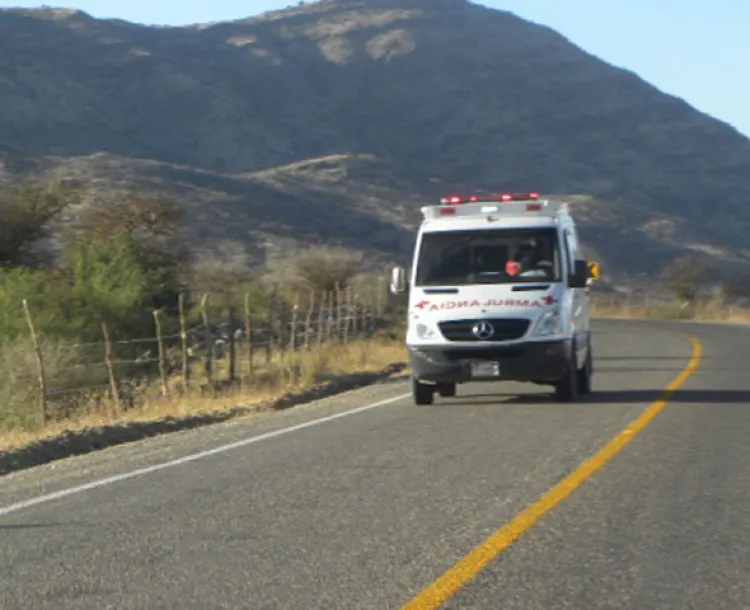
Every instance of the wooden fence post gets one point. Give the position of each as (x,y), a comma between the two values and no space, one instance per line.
(232,347)
(271,331)
(368,319)
(339,308)
(162,355)
(308,320)
(321,314)
(40,364)
(184,343)
(249,333)
(208,339)
(293,328)
(109,361)
(347,313)
(329,317)
(355,316)
(379,297)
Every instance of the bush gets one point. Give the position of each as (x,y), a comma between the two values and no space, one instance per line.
(323,269)
(46,293)
(107,284)
(737,285)
(151,226)
(26,212)
(688,276)
(67,367)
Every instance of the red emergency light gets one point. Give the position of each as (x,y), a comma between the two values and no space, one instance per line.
(459,199)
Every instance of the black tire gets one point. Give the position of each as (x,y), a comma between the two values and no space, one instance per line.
(585,374)
(446,389)
(566,390)
(424,393)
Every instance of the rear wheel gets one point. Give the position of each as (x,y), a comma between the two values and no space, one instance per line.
(566,390)
(424,393)
(446,389)
(584,375)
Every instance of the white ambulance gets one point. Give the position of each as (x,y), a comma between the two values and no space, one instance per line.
(498,291)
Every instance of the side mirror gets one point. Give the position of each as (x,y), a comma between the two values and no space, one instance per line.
(398,280)
(594,271)
(580,275)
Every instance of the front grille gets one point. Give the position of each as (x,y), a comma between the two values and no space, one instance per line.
(504,329)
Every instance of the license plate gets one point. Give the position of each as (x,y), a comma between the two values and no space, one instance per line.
(485,369)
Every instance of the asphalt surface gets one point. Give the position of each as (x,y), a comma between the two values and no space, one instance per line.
(366,510)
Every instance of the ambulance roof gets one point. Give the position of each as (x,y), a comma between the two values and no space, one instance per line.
(503,211)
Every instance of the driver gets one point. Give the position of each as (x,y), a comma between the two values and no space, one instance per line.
(526,254)
(528,262)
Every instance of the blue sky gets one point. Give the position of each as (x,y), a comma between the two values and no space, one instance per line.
(695,49)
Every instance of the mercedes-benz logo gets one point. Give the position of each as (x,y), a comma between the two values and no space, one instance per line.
(483,330)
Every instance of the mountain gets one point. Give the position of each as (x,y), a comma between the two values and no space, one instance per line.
(335,120)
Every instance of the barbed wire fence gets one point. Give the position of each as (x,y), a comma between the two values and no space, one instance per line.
(222,342)
(227,340)
(650,304)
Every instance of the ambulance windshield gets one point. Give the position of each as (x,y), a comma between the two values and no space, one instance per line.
(500,256)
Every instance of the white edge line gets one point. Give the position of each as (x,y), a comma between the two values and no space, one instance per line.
(12,508)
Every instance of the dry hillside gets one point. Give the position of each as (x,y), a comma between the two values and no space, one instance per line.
(335,120)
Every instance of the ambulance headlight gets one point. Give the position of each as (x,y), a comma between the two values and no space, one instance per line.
(549,323)
(426,331)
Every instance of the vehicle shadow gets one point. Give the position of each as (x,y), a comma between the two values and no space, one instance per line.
(677,396)
(604,397)
(644,369)
(674,369)
(664,358)
(640,358)
(25,526)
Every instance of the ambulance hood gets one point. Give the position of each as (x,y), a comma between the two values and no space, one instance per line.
(521,300)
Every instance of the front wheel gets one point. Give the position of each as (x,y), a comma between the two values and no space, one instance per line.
(424,393)
(584,375)
(566,390)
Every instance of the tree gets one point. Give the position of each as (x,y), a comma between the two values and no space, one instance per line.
(107,284)
(737,284)
(136,214)
(687,276)
(323,269)
(25,215)
(153,227)
(218,275)
(45,291)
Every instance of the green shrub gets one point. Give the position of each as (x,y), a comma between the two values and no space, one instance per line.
(107,285)
(68,367)
(46,294)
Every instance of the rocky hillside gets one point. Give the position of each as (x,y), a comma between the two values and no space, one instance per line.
(335,120)
(349,200)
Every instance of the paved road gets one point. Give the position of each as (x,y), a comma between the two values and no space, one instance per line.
(366,510)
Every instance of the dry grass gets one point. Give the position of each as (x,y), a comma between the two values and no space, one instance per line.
(705,311)
(278,380)
(287,379)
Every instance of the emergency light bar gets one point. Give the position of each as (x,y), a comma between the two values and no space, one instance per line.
(461,199)
(519,207)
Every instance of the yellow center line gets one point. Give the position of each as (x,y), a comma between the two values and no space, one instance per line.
(447,585)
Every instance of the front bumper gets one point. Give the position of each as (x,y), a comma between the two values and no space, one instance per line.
(537,362)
